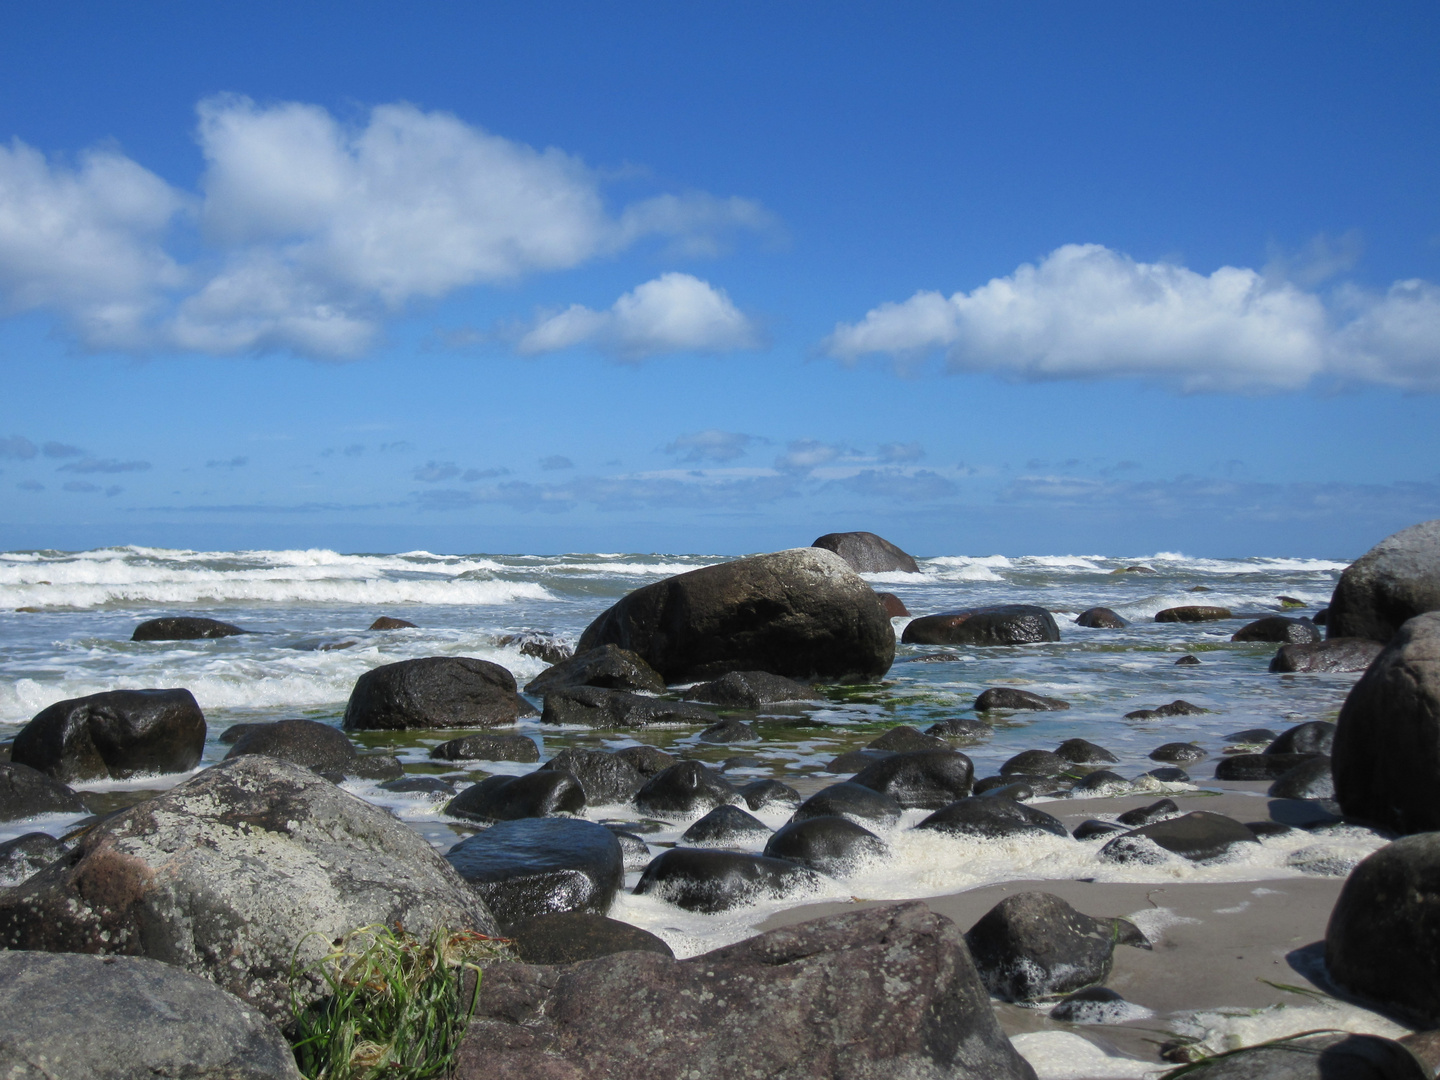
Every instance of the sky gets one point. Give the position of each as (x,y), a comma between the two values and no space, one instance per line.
(1048,278)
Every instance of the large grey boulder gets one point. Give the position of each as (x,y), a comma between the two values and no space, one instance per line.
(1386,755)
(802,613)
(233,874)
(114,735)
(65,1016)
(888,993)
(1395,580)
(868,553)
(434,692)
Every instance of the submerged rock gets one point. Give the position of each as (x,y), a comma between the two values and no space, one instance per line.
(759,794)
(184,628)
(434,692)
(868,553)
(725,826)
(597,707)
(1279,628)
(386,622)
(750,690)
(1193,613)
(1007,697)
(1000,624)
(488,746)
(903,738)
(1083,752)
(961,728)
(1101,618)
(1034,763)
(114,735)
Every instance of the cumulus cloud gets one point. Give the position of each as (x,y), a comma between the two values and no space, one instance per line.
(17,448)
(103,465)
(1085,311)
(312,232)
(898,453)
(672,313)
(805,455)
(710,445)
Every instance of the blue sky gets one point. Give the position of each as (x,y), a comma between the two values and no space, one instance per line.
(1043,278)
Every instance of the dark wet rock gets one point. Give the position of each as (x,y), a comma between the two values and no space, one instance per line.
(1311,737)
(543,793)
(1101,618)
(725,826)
(1383,941)
(860,804)
(606,778)
(742,761)
(1310,779)
(1288,602)
(1199,588)
(539,644)
(606,665)
(488,746)
(1007,697)
(1147,815)
(920,779)
(832,845)
(728,730)
(386,622)
(759,794)
(184,628)
(991,818)
(961,728)
(1092,1005)
(1035,763)
(233,733)
(1333,654)
(1279,628)
(1001,624)
(1255,736)
(1396,580)
(636,852)
(114,735)
(1321,861)
(539,866)
(867,553)
(316,746)
(801,1002)
(1091,829)
(1034,945)
(1081,752)
(597,707)
(1178,707)
(434,692)
(1328,1056)
(1142,714)
(1386,755)
(572,936)
(685,789)
(1257,766)
(894,606)
(1018,790)
(74,1017)
(853,761)
(1038,785)
(750,690)
(903,738)
(648,760)
(1178,753)
(25,792)
(1134,570)
(1170,775)
(1321,617)
(802,613)
(1188,660)
(252,865)
(1269,828)
(1198,836)
(420,785)
(1102,782)
(26,855)
(1193,613)
(708,880)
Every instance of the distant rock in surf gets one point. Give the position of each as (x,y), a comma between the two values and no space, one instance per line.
(434,692)
(184,628)
(1000,624)
(868,553)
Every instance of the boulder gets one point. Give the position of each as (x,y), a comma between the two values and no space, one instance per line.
(708,880)
(1006,697)
(1255,736)
(1386,754)
(1093,1005)
(648,760)
(1279,628)
(251,866)
(1396,580)
(1178,753)
(750,690)
(543,793)
(1160,810)
(725,826)
(1333,654)
(387,622)
(802,613)
(568,937)
(1311,737)
(539,866)
(114,735)
(1083,752)
(759,794)
(27,854)
(1034,945)
(852,761)
(597,707)
(1091,829)
(1035,763)
(434,692)
(1101,618)
(75,1017)
(605,778)
(860,804)
(26,792)
(1170,774)
(685,789)
(962,728)
(1103,782)
(1257,766)
(184,628)
(1310,779)
(920,779)
(606,665)
(1198,836)
(887,993)
(728,730)
(991,818)
(903,737)
(894,606)
(999,624)
(867,553)
(539,644)
(1193,613)
(832,845)
(315,746)
(421,785)
(1331,1055)
(1178,707)
(1383,940)
(488,746)
(1187,661)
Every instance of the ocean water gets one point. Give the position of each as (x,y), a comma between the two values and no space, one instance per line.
(66,621)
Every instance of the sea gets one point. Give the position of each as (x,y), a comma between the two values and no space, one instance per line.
(66,620)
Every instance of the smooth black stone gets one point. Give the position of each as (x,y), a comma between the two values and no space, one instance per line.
(541,865)
(1312,737)
(1145,815)
(1019,791)
(1170,775)
(961,728)
(488,746)
(903,738)
(1034,945)
(728,730)
(648,760)
(1193,613)
(233,733)
(184,628)
(1092,1005)
(1333,654)
(920,779)
(759,794)
(1035,763)
(1001,624)
(1256,736)
(1257,766)
(605,778)
(431,785)
(990,818)
(706,880)
(1178,753)
(114,735)
(308,743)
(543,793)
(1310,779)
(609,666)
(1081,752)
(597,707)
(1008,697)
(1197,836)
(1268,828)
(1101,618)
(685,789)
(726,826)
(750,690)
(637,853)
(867,553)
(1091,829)
(434,692)
(1280,628)
(1100,780)
(573,936)
(832,845)
(386,622)
(1038,785)
(26,792)
(853,761)
(1188,660)
(1396,580)
(860,804)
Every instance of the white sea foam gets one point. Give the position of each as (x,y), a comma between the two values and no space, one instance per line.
(1061,1055)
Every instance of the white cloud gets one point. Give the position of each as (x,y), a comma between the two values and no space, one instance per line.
(672,313)
(312,232)
(1085,311)
(710,445)
(805,455)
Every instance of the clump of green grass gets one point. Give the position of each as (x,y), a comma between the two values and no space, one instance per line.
(396,1005)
